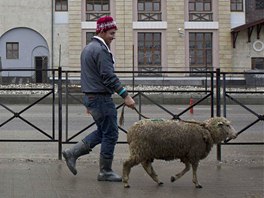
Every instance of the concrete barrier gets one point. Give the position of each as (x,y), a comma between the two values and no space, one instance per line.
(252,99)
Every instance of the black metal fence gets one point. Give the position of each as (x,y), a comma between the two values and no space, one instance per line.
(51,91)
(64,87)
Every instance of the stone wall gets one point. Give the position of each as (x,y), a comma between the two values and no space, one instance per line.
(175,42)
(75,33)
(225,42)
(124,36)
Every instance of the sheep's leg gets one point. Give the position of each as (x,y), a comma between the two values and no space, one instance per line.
(127,165)
(195,180)
(149,169)
(179,175)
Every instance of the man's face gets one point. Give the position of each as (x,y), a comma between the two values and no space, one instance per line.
(108,36)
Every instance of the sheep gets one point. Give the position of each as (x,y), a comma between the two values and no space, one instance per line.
(189,141)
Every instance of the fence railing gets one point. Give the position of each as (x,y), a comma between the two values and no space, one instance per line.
(66,85)
(51,91)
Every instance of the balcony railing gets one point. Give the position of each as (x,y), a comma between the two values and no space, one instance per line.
(198,16)
(200,69)
(150,71)
(94,16)
(149,16)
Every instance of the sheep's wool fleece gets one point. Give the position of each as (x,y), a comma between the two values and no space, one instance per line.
(168,139)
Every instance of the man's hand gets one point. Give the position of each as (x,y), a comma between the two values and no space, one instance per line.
(129,101)
(88,112)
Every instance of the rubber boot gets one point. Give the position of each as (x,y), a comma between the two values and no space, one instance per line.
(106,172)
(72,154)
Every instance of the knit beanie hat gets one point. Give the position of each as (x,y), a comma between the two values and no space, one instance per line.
(105,23)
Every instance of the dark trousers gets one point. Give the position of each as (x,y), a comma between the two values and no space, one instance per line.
(104,113)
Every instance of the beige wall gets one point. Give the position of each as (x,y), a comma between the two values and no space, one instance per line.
(17,13)
(124,37)
(225,43)
(74,33)
(175,43)
(70,36)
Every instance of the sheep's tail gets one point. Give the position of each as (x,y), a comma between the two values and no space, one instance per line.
(121,118)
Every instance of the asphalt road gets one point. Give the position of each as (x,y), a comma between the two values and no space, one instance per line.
(41,117)
(32,169)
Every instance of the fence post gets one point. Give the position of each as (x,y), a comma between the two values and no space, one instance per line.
(224,94)
(218,107)
(133,72)
(212,93)
(139,104)
(59,113)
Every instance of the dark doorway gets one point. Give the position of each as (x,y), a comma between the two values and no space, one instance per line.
(257,63)
(41,63)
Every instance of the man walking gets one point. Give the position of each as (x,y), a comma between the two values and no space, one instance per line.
(98,83)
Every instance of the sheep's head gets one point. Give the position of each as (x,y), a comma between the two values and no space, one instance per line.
(220,129)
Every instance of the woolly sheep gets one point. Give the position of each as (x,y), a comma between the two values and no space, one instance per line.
(189,141)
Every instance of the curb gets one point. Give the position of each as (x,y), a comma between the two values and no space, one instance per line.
(157,98)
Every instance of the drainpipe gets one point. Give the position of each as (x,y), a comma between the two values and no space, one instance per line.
(52,32)
(0,70)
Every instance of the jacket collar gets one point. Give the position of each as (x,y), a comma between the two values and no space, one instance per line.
(102,40)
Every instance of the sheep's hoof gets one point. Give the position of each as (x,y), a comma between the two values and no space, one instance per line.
(160,183)
(126,186)
(198,186)
(173,179)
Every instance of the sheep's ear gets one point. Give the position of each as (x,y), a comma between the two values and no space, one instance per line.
(220,124)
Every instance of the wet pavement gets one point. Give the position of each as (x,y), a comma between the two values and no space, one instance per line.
(32,170)
(49,178)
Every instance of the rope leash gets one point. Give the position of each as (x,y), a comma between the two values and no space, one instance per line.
(121,119)
(141,114)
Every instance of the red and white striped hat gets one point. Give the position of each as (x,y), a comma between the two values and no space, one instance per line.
(105,23)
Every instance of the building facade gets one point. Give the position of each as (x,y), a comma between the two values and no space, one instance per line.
(153,35)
